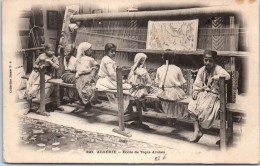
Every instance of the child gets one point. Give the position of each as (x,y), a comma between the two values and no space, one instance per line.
(107,75)
(70,70)
(33,85)
(139,79)
(85,72)
(107,71)
(169,78)
(205,105)
(69,64)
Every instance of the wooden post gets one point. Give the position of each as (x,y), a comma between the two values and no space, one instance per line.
(233,44)
(120,96)
(25,63)
(223,134)
(189,83)
(139,109)
(42,90)
(233,47)
(230,125)
(120,99)
(57,90)
(66,36)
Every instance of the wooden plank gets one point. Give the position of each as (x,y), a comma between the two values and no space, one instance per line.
(236,107)
(46,101)
(61,83)
(222,112)
(163,116)
(198,52)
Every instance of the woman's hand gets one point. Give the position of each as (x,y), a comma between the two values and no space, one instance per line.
(77,75)
(195,95)
(216,77)
(36,67)
(48,60)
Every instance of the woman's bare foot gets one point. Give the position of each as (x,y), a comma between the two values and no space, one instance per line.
(196,136)
(44,113)
(27,111)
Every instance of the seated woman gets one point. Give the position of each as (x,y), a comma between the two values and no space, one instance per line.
(169,78)
(70,70)
(85,72)
(107,74)
(139,79)
(205,105)
(50,62)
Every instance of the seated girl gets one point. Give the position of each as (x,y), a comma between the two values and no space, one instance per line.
(139,79)
(50,62)
(205,105)
(70,70)
(69,65)
(85,72)
(169,78)
(107,74)
(107,71)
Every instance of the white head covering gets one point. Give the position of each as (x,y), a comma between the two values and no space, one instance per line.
(138,58)
(81,48)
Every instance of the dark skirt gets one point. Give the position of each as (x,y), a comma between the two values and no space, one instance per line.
(69,77)
(85,88)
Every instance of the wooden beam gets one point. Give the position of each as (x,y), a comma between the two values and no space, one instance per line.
(30,49)
(198,52)
(116,37)
(24,33)
(154,14)
(26,14)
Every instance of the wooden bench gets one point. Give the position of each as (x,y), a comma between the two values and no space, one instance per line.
(227,102)
(227,99)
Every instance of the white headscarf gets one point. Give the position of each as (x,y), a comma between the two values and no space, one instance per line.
(81,48)
(138,58)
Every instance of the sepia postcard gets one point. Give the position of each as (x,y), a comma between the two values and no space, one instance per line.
(131,81)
